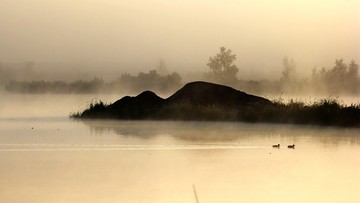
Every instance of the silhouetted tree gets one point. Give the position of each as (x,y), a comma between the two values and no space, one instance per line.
(148,81)
(222,66)
(288,78)
(28,69)
(316,84)
(341,79)
(352,81)
(335,78)
(170,82)
(161,68)
(289,72)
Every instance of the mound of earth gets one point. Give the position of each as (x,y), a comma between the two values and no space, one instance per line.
(195,101)
(205,94)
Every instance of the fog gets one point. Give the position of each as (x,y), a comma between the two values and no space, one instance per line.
(59,160)
(98,37)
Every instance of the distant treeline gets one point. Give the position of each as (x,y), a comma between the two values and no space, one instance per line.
(21,72)
(126,83)
(342,79)
(58,87)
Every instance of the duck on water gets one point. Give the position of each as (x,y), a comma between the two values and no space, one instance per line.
(291,146)
(276,146)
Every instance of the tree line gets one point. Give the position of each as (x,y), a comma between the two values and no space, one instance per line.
(126,83)
(341,79)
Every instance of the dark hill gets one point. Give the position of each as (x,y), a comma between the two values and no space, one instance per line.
(146,99)
(139,107)
(195,101)
(208,101)
(210,94)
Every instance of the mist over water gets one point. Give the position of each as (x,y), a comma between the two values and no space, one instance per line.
(45,156)
(57,57)
(59,160)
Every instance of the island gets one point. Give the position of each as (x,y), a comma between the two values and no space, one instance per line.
(204,101)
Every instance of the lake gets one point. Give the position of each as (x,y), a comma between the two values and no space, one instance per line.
(47,157)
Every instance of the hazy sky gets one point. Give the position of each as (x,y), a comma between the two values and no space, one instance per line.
(184,33)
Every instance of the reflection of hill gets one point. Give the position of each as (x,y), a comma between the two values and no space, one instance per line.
(222,132)
(188,131)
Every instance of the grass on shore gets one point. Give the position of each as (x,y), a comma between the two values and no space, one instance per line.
(326,112)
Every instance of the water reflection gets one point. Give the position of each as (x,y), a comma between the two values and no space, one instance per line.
(158,162)
(228,132)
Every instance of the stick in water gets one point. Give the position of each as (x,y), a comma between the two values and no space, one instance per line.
(195,194)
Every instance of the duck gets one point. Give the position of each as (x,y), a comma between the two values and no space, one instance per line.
(276,146)
(291,146)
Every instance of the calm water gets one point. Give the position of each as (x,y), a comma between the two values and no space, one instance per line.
(46,157)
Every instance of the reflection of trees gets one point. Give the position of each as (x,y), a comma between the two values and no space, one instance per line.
(337,137)
(191,131)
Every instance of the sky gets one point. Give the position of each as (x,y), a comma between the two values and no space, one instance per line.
(183,33)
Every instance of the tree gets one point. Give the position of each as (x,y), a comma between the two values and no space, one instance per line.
(335,78)
(289,72)
(288,79)
(222,67)
(342,78)
(353,71)
(161,68)
(352,81)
